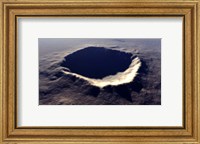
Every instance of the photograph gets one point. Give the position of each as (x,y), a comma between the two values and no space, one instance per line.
(99,71)
(104,72)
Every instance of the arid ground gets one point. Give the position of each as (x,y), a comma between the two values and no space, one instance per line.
(99,71)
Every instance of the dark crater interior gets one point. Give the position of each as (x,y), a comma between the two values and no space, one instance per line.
(97,62)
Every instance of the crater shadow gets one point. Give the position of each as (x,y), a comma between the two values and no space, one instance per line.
(97,62)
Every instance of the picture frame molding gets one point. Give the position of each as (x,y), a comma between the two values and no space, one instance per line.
(11,10)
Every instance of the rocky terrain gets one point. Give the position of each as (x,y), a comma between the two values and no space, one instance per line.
(114,72)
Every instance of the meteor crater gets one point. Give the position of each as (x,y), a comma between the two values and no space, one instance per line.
(101,66)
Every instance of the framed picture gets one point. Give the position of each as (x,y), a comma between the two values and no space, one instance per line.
(99,71)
